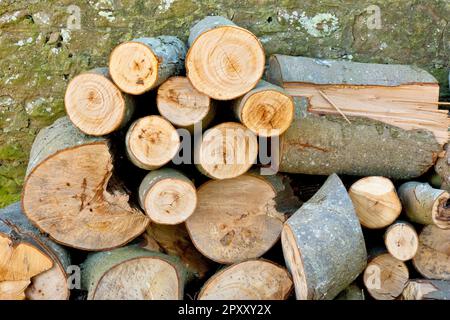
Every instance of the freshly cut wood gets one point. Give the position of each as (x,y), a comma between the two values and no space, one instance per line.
(224,61)
(95,105)
(425,205)
(151,142)
(167,196)
(68,193)
(266,110)
(385,277)
(323,244)
(142,64)
(352,292)
(133,273)
(31,265)
(376,202)
(433,257)
(183,105)
(238,219)
(424,289)
(226,151)
(384,138)
(401,240)
(249,280)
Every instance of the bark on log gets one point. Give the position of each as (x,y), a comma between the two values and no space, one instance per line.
(401,240)
(95,105)
(323,245)
(424,204)
(31,265)
(423,289)
(442,168)
(249,280)
(142,64)
(224,61)
(352,292)
(65,191)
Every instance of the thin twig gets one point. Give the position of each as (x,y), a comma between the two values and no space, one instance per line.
(334,105)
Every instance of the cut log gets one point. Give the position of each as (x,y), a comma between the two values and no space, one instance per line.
(167,196)
(31,265)
(249,280)
(442,169)
(376,202)
(323,244)
(433,257)
(226,151)
(183,105)
(95,105)
(266,110)
(352,292)
(142,64)
(384,137)
(133,273)
(67,195)
(423,289)
(224,61)
(385,277)
(401,240)
(237,219)
(424,204)
(151,142)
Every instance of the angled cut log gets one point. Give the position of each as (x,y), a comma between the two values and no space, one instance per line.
(323,245)
(65,192)
(424,289)
(401,240)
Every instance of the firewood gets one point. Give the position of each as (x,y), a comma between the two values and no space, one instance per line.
(424,289)
(142,64)
(31,265)
(401,240)
(65,193)
(266,110)
(133,273)
(167,196)
(352,292)
(183,105)
(249,280)
(151,142)
(424,204)
(433,257)
(376,202)
(323,244)
(442,169)
(95,105)
(224,61)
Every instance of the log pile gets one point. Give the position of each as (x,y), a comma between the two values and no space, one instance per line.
(167,196)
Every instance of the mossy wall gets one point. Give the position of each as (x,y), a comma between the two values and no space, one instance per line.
(40,51)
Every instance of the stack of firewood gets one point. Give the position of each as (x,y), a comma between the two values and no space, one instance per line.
(160,172)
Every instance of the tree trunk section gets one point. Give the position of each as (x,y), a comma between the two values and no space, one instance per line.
(401,240)
(423,289)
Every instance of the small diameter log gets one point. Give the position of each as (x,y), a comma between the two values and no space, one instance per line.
(267,110)
(183,105)
(401,240)
(385,277)
(424,289)
(323,244)
(31,265)
(249,280)
(167,196)
(352,292)
(67,195)
(433,257)
(142,64)
(151,142)
(425,205)
(95,105)
(224,61)
(376,202)
(226,151)
(133,273)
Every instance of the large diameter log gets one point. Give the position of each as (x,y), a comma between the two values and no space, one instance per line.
(142,64)
(65,193)
(376,202)
(167,196)
(31,265)
(224,61)
(95,105)
(425,205)
(433,257)
(151,142)
(401,240)
(424,289)
(133,273)
(323,244)
(249,280)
